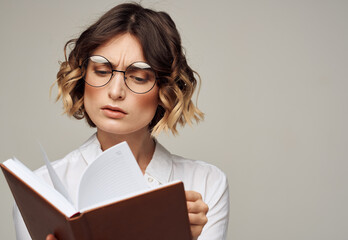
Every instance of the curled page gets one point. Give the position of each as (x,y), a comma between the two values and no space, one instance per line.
(58,185)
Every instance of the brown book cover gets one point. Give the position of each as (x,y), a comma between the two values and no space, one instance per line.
(160,214)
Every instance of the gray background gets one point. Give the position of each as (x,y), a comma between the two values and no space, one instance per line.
(274,92)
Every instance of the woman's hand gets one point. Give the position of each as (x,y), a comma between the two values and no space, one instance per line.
(197,210)
(50,237)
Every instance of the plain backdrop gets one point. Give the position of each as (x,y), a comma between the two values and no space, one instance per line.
(274,91)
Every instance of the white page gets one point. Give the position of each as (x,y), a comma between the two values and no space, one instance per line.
(58,185)
(115,173)
(40,186)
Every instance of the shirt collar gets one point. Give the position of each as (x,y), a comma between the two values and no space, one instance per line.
(91,149)
(160,166)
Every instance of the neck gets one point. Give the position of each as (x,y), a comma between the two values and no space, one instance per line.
(141,144)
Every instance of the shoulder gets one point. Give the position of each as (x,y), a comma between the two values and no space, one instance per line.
(185,165)
(197,167)
(199,176)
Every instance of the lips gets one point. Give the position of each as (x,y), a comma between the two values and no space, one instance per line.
(113,112)
(109,107)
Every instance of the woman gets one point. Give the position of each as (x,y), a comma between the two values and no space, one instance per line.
(128,77)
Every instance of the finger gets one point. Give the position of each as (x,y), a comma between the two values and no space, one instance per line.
(196,230)
(192,196)
(197,219)
(50,237)
(197,207)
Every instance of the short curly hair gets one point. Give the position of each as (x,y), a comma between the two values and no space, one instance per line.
(162,48)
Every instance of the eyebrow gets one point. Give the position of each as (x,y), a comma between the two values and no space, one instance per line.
(115,67)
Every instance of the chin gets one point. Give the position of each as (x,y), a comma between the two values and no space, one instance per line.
(122,128)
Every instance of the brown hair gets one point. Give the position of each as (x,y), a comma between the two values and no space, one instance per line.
(162,48)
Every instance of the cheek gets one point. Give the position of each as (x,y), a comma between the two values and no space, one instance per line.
(91,94)
(91,98)
(148,102)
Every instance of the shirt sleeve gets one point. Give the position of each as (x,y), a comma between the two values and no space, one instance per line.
(217,199)
(20,228)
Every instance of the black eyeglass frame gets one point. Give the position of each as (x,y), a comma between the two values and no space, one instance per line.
(115,70)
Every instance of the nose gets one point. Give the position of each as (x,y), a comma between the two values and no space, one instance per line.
(116,87)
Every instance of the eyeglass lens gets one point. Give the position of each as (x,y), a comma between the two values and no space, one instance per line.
(139,77)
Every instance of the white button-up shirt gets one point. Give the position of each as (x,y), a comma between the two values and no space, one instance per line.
(164,167)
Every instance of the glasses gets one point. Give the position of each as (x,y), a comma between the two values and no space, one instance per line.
(139,77)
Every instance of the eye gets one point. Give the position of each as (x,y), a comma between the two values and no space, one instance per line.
(102,72)
(138,80)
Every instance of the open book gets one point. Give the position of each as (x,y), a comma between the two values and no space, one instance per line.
(114,202)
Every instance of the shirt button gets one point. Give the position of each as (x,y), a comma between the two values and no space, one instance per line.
(150,179)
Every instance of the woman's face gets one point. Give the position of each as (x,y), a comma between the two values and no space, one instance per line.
(114,108)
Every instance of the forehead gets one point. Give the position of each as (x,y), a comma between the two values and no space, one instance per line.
(122,50)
